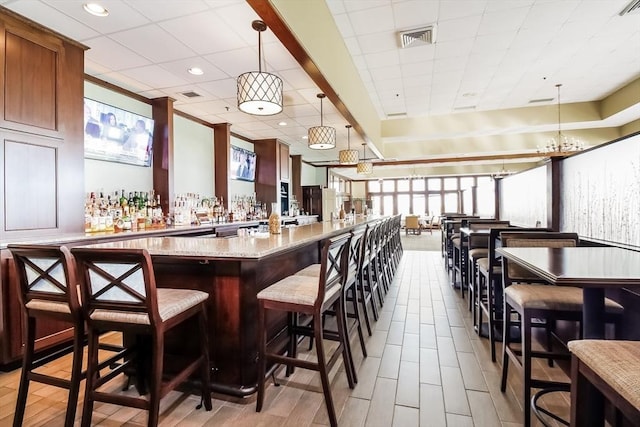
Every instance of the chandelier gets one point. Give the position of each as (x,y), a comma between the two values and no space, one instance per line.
(321,137)
(259,93)
(561,143)
(501,173)
(349,156)
(364,167)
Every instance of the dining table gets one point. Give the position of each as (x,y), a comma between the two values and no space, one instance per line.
(594,269)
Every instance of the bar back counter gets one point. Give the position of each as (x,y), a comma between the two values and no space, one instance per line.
(232,270)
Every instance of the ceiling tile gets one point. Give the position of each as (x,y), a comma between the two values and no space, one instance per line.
(121,15)
(153,43)
(101,49)
(367,21)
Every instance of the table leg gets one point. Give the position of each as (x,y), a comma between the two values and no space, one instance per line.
(593,328)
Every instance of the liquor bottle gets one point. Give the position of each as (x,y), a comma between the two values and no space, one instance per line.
(123,199)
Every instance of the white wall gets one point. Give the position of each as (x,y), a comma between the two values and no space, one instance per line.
(523,198)
(193,158)
(109,176)
(311,175)
(358,189)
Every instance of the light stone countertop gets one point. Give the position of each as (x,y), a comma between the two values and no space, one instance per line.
(246,247)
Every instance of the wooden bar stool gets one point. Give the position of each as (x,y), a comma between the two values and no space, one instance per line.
(535,303)
(47,282)
(312,296)
(119,294)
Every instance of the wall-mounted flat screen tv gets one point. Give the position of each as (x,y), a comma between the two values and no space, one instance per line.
(243,164)
(116,135)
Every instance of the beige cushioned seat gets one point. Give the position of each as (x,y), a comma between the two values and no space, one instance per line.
(456,242)
(53,306)
(296,289)
(483,265)
(547,297)
(170,303)
(477,253)
(616,362)
(313,270)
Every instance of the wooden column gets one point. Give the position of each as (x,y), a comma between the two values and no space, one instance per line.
(296,177)
(498,192)
(221,149)
(554,172)
(267,167)
(162,111)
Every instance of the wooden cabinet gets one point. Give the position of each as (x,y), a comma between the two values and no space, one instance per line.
(41,153)
(312,199)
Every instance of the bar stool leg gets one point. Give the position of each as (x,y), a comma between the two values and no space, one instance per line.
(262,351)
(27,360)
(322,369)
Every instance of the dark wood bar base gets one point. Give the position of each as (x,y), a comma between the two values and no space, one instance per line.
(233,286)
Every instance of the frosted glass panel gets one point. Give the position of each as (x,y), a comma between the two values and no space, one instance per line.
(601,193)
(524,198)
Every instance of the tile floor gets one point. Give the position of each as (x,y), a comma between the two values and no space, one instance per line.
(426,367)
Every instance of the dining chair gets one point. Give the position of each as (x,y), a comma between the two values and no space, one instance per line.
(310,296)
(538,305)
(47,292)
(613,368)
(119,293)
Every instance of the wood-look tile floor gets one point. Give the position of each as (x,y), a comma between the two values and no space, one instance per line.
(425,367)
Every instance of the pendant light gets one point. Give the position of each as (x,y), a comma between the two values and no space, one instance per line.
(349,156)
(321,137)
(561,143)
(259,93)
(364,167)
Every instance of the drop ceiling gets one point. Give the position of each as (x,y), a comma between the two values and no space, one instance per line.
(423,109)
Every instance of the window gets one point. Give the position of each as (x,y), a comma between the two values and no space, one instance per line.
(403,185)
(435,184)
(404,204)
(451,202)
(374,186)
(435,204)
(387,205)
(417,184)
(419,206)
(451,184)
(388,185)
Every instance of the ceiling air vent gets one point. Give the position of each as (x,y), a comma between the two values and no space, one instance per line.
(633,7)
(539,100)
(418,36)
(191,94)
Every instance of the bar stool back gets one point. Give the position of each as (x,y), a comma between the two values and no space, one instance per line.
(119,293)
(47,282)
(299,294)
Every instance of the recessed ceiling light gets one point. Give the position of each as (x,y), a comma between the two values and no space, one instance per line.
(195,71)
(305,137)
(95,9)
(282,123)
(469,94)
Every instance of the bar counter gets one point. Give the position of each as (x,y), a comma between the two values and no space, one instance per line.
(233,270)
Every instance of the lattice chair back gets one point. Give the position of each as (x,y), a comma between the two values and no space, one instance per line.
(333,268)
(47,279)
(355,252)
(117,281)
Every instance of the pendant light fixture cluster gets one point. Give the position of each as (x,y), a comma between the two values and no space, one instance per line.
(364,166)
(259,92)
(348,156)
(321,137)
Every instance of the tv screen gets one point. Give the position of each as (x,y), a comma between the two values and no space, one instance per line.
(243,164)
(116,135)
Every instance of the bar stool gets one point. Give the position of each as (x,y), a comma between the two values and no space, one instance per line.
(535,302)
(308,295)
(47,282)
(351,291)
(119,294)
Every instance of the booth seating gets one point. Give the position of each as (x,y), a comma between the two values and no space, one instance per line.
(119,294)
(47,291)
(311,296)
(538,302)
(613,368)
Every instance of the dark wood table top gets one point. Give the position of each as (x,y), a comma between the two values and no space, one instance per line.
(597,267)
